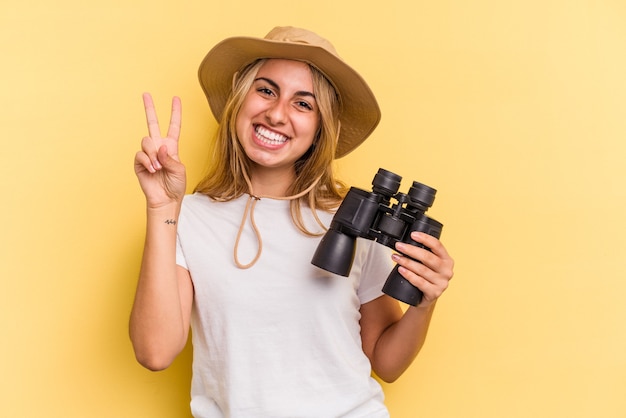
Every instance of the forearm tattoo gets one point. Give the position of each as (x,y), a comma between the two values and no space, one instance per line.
(170,221)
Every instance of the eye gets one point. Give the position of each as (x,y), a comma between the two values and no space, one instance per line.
(265,91)
(304,105)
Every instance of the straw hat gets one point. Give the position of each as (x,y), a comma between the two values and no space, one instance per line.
(359,110)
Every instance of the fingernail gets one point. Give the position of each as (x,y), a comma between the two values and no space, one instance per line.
(157,164)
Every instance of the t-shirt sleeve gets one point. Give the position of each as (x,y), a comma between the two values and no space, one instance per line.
(180,256)
(377,265)
(183,226)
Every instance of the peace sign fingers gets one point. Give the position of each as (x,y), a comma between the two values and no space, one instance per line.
(154,130)
(158,167)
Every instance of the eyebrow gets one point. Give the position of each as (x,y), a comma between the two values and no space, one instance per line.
(277,87)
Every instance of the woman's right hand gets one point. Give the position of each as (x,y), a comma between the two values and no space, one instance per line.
(158,167)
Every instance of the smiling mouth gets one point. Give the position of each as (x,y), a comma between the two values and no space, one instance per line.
(269,137)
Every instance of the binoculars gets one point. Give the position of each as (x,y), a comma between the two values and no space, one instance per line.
(371,215)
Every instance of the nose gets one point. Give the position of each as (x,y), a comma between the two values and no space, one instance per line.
(276,113)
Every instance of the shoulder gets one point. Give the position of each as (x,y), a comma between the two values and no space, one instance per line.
(196,199)
(200,200)
(198,208)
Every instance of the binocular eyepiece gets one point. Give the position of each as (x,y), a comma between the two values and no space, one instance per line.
(373,216)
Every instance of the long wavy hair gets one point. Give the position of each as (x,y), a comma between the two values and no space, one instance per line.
(225,179)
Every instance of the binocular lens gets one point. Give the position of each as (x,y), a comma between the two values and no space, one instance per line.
(386,183)
(422,195)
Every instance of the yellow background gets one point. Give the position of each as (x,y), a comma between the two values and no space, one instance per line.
(514,110)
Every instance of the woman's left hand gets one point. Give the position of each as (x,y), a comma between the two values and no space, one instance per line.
(433,271)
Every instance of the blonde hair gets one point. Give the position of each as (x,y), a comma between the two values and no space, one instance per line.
(225,179)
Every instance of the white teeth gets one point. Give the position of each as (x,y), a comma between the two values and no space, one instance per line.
(270,137)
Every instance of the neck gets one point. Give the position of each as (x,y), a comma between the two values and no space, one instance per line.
(271,182)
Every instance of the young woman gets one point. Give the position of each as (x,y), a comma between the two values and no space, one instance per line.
(273,335)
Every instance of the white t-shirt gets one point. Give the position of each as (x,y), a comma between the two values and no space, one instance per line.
(282,338)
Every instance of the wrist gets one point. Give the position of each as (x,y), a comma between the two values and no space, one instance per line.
(166,214)
(424,307)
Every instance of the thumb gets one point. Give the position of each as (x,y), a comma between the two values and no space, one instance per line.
(165,158)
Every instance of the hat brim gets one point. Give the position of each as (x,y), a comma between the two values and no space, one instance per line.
(359,115)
